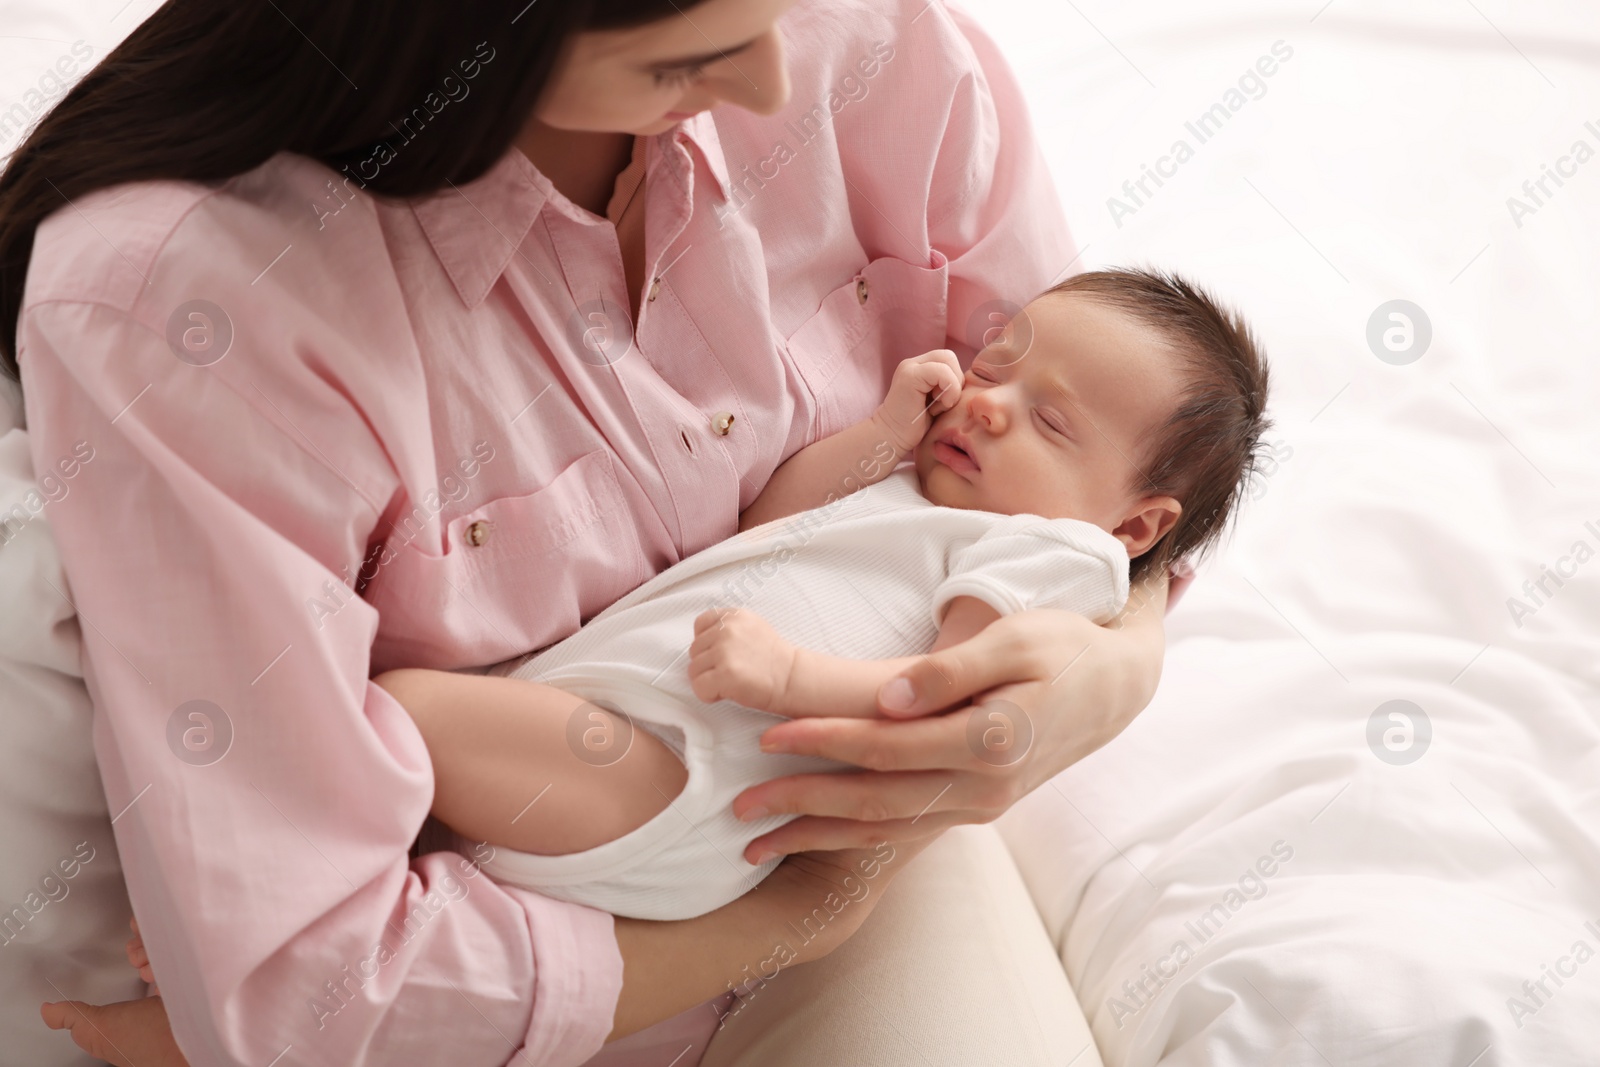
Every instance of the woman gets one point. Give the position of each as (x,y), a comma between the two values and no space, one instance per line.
(576,328)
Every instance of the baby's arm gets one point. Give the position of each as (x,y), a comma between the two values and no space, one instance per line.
(499,744)
(923,387)
(737,656)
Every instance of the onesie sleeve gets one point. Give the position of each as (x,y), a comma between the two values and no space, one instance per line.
(1025,562)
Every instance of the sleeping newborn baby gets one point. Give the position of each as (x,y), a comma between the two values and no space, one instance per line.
(1106,431)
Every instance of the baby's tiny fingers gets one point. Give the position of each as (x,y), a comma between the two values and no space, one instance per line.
(949,390)
(710,619)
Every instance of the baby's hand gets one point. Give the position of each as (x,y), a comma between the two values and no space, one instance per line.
(924,387)
(737,656)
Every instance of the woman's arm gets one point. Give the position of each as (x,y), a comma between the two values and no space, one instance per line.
(667,967)
(254,768)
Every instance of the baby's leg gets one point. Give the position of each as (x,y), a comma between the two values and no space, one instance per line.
(505,772)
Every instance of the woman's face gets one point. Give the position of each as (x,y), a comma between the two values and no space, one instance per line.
(645,79)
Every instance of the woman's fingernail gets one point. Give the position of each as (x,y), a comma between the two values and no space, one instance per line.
(774,745)
(896,695)
(765,857)
(754,813)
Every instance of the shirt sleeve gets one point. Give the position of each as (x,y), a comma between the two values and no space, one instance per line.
(992,205)
(1025,562)
(265,794)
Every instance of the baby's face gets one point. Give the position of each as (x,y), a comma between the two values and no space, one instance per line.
(1054,417)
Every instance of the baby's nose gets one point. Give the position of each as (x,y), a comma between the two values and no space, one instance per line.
(989,410)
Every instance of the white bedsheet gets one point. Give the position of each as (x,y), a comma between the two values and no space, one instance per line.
(1409,503)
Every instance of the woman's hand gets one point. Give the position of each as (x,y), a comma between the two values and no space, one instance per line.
(808,906)
(1051,688)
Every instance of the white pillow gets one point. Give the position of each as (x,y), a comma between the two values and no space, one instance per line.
(63,907)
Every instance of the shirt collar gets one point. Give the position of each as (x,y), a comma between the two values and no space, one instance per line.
(701,131)
(475,229)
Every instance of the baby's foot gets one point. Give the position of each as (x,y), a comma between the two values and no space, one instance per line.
(139,958)
(737,656)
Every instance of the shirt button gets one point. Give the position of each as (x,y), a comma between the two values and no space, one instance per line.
(655,290)
(861,291)
(722,422)
(477,533)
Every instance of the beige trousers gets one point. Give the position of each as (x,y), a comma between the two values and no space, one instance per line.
(953,968)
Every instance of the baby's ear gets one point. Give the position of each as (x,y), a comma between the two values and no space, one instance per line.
(1147,523)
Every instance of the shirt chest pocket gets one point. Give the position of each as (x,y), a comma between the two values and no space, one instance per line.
(846,353)
(517,573)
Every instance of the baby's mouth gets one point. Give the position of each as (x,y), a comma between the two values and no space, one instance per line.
(948,450)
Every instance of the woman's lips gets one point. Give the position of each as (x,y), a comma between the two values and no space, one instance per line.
(954,458)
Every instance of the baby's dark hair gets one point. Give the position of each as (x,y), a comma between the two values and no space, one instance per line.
(1209,446)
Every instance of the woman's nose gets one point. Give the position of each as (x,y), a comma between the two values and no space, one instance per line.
(756,79)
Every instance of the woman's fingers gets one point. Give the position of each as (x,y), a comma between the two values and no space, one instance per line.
(1000,654)
(832,712)
(133,1033)
(863,796)
(933,743)
(813,834)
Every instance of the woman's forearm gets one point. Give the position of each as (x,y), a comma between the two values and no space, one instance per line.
(669,967)
(1137,639)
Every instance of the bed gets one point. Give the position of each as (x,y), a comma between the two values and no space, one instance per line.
(1360,822)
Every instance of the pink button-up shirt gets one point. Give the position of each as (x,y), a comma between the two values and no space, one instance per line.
(333,435)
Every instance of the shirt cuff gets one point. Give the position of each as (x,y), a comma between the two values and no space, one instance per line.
(577,978)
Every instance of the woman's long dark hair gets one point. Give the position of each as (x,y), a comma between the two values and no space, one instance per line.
(203,91)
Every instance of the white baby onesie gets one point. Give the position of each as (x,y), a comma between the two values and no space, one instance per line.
(865,577)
